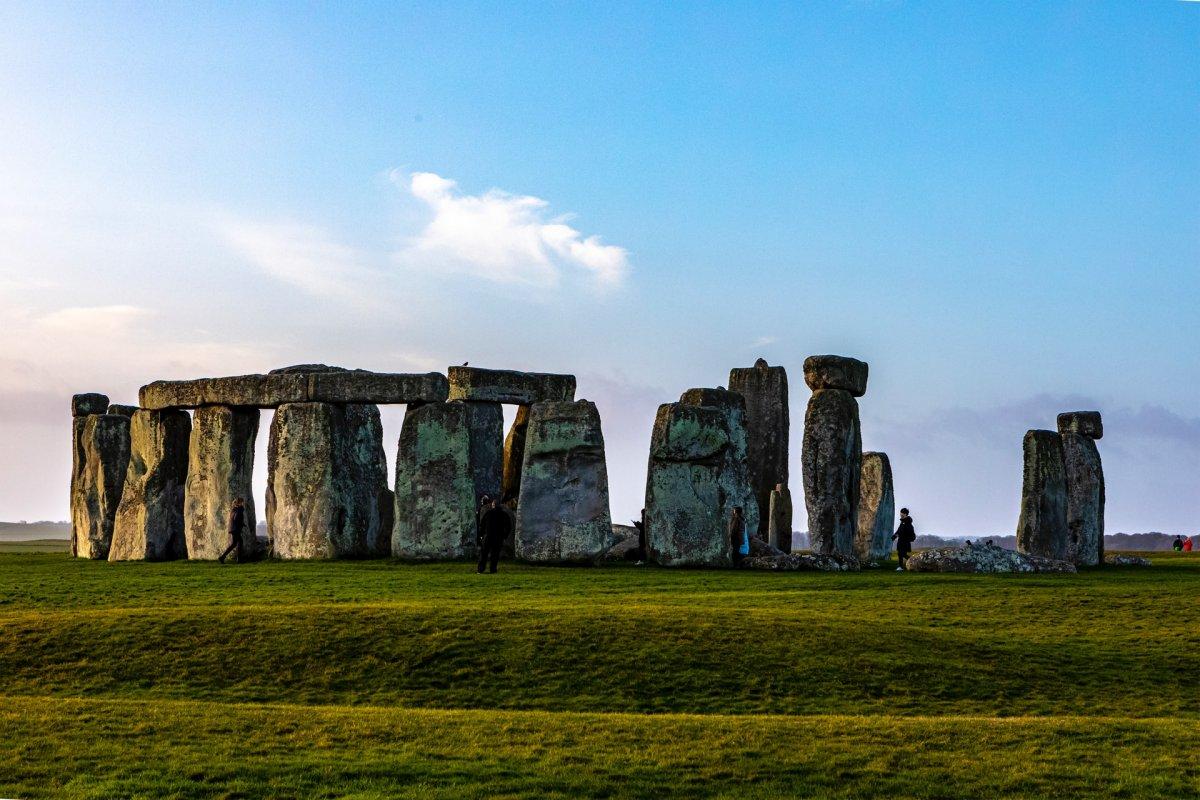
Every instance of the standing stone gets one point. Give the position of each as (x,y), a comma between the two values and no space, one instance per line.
(779,530)
(514,454)
(736,469)
(832,459)
(563,513)
(1085,486)
(220,470)
(449,456)
(767,428)
(1042,528)
(82,406)
(327,491)
(693,483)
(149,522)
(876,508)
(102,459)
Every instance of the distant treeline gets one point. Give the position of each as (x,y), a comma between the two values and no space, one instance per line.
(1114,541)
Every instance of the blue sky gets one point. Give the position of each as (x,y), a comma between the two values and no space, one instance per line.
(996,205)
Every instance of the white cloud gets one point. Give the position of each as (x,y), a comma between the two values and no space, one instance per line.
(503,237)
(92,320)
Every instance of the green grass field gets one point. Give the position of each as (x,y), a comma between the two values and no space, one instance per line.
(377,679)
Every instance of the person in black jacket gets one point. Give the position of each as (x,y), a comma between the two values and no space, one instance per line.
(495,525)
(905,535)
(237,523)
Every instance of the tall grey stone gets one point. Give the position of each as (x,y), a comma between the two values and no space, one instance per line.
(449,456)
(514,453)
(563,513)
(327,494)
(779,529)
(149,522)
(1042,527)
(1085,485)
(693,481)
(220,470)
(876,508)
(736,467)
(832,461)
(102,458)
(767,429)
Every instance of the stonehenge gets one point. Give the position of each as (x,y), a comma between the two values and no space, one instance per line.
(220,467)
(1085,486)
(832,451)
(1042,527)
(563,511)
(100,459)
(765,390)
(876,509)
(149,521)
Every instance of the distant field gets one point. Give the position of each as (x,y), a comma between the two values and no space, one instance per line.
(376,679)
(37,546)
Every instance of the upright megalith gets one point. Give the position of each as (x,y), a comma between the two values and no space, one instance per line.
(82,406)
(102,460)
(779,528)
(327,494)
(563,513)
(449,456)
(1085,486)
(832,451)
(765,389)
(220,470)
(696,476)
(1042,527)
(514,453)
(876,508)
(149,522)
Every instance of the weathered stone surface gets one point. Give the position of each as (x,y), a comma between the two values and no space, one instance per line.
(802,562)
(361,386)
(260,391)
(1085,500)
(124,411)
(625,544)
(832,461)
(1125,560)
(767,429)
(514,454)
(298,384)
(1086,423)
(836,372)
(563,513)
(1042,528)
(736,468)
(982,558)
(693,484)
(83,405)
(149,522)
(327,493)
(449,456)
(101,459)
(220,470)
(876,508)
(779,529)
(507,386)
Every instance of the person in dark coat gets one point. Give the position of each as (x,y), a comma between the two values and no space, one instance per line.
(904,536)
(237,524)
(738,540)
(495,526)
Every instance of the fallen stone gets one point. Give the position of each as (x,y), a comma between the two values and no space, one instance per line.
(83,405)
(102,458)
(1085,500)
(625,544)
(1125,560)
(1042,528)
(514,454)
(448,458)
(876,508)
(327,493)
(832,461)
(124,411)
(803,562)
(982,558)
(507,386)
(779,528)
(149,521)
(220,470)
(836,372)
(563,512)
(1085,423)
(765,389)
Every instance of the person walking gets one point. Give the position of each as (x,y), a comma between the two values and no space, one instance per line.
(738,540)
(904,536)
(495,526)
(237,524)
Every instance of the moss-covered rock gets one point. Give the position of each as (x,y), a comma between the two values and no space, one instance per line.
(149,522)
(832,460)
(101,460)
(1042,527)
